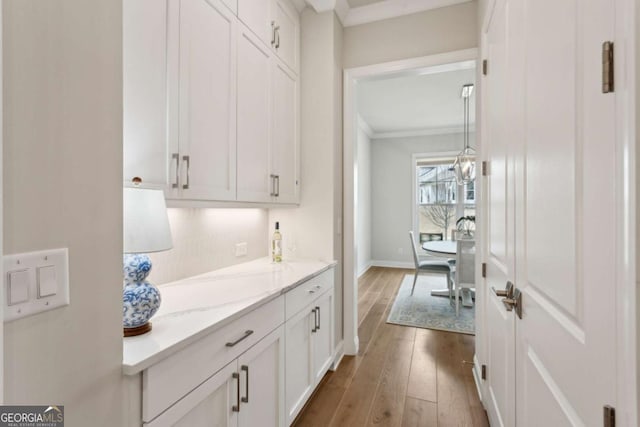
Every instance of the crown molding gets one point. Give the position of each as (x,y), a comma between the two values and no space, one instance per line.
(386,9)
(445,130)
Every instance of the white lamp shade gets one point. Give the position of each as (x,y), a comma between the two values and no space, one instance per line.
(146,224)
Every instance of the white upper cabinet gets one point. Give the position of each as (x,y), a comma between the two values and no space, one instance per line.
(256,15)
(146,150)
(207,100)
(287,31)
(276,23)
(285,135)
(254,115)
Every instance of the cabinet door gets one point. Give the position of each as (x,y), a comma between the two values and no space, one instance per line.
(288,33)
(256,14)
(284,157)
(262,383)
(207,100)
(210,404)
(146,150)
(254,117)
(298,357)
(323,337)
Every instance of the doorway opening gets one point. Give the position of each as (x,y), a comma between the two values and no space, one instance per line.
(356,124)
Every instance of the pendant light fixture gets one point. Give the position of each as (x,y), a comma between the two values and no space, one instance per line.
(465,163)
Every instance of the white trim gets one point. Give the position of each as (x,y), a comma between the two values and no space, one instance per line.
(392,9)
(477,378)
(445,130)
(351,76)
(626,221)
(365,269)
(338,354)
(393,264)
(1,219)
(364,126)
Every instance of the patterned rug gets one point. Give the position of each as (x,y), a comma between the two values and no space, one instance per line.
(421,310)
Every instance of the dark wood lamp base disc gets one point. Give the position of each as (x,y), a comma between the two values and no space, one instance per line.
(132,332)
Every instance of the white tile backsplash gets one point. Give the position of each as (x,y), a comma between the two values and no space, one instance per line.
(205,239)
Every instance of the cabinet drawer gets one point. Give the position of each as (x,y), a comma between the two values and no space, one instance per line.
(298,298)
(166,382)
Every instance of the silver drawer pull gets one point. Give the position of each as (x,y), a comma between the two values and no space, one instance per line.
(244,337)
(311,291)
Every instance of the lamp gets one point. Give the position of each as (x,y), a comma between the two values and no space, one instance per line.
(146,229)
(465,163)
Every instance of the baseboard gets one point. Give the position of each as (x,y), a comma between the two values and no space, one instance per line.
(392,264)
(477,378)
(338,354)
(365,269)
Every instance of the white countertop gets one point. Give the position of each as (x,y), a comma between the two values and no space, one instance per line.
(194,307)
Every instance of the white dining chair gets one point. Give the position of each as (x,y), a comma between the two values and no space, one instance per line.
(430,266)
(465,268)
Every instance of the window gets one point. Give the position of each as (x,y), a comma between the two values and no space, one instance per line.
(438,205)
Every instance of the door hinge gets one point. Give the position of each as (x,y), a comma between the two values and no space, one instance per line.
(484,372)
(485,66)
(609,416)
(484,269)
(607,67)
(485,168)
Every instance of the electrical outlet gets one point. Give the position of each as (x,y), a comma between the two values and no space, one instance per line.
(241,249)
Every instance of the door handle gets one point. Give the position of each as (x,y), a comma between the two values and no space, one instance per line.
(187,160)
(514,302)
(508,291)
(315,320)
(236,408)
(245,368)
(176,157)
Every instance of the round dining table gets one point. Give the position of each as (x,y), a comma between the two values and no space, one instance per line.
(447,249)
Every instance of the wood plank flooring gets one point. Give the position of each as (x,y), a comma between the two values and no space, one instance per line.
(402,376)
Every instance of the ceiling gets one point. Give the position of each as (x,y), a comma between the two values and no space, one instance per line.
(418,104)
(358,3)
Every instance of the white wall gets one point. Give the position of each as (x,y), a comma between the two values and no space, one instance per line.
(62,173)
(434,31)
(392,198)
(316,225)
(205,240)
(363,204)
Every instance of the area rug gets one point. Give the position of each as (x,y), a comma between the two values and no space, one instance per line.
(421,310)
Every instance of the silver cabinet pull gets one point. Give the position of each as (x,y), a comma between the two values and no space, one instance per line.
(318,325)
(273,185)
(236,408)
(245,368)
(187,160)
(277,185)
(277,28)
(176,157)
(315,320)
(274,28)
(244,337)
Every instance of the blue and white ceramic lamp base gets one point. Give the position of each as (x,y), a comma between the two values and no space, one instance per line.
(140,299)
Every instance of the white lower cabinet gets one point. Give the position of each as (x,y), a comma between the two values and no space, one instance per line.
(309,351)
(247,392)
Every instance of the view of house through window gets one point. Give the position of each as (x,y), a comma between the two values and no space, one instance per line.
(438,203)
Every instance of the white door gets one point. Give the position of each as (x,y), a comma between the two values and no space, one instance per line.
(287,32)
(298,358)
(256,14)
(323,336)
(500,332)
(254,118)
(146,145)
(556,129)
(262,383)
(207,100)
(284,142)
(210,404)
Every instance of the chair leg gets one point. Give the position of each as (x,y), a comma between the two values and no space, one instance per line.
(415,279)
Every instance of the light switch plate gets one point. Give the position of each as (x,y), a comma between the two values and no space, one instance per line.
(47,282)
(241,249)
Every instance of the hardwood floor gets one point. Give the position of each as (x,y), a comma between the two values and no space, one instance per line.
(402,376)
